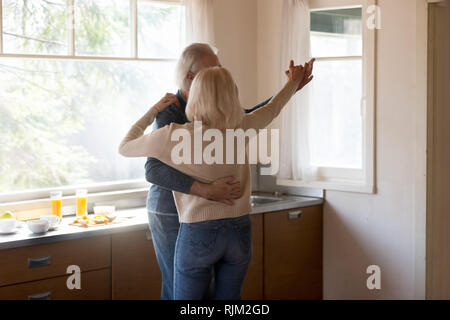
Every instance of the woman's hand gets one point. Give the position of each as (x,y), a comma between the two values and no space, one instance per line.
(295,73)
(166,101)
(308,74)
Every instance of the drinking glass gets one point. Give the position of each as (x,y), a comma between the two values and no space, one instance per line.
(81,195)
(56,203)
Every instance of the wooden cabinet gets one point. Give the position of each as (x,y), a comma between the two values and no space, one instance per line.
(253,284)
(293,254)
(95,285)
(135,270)
(40,271)
(286,263)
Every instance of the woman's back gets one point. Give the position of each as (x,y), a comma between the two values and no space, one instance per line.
(202,152)
(208,154)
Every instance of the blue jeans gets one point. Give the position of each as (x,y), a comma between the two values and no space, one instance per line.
(221,246)
(164,228)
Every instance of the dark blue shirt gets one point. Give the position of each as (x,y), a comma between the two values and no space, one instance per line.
(164,178)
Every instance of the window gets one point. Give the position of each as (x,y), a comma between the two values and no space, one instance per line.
(74,75)
(336,119)
(342,97)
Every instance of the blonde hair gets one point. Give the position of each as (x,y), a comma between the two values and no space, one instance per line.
(190,61)
(214,100)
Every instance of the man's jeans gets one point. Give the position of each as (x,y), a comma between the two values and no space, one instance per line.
(223,246)
(164,228)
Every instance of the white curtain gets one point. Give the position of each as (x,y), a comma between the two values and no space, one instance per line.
(295,44)
(199,21)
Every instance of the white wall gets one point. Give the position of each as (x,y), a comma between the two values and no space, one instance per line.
(388,228)
(235,37)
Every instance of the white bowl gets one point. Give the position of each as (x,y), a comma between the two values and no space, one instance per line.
(104,210)
(7,225)
(38,226)
(52,220)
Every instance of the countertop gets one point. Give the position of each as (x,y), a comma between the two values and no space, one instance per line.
(128,220)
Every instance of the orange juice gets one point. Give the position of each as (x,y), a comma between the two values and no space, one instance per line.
(56,202)
(56,207)
(81,206)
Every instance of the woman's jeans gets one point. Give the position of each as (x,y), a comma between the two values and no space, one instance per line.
(221,246)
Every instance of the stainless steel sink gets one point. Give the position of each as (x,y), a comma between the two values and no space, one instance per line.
(267,202)
(261,200)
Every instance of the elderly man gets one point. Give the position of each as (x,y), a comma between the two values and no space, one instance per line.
(162,212)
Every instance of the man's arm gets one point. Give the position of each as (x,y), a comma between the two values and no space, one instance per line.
(262,104)
(157,172)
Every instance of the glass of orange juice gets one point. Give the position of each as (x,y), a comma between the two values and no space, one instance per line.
(56,202)
(81,195)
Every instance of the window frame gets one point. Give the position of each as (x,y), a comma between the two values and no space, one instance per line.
(342,179)
(36,199)
(71,54)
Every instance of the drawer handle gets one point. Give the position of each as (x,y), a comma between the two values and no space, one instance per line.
(295,214)
(39,262)
(148,235)
(41,296)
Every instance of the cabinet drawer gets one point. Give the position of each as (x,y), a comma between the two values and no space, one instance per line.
(51,260)
(95,285)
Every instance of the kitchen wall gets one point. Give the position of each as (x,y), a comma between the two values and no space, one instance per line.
(386,228)
(235,37)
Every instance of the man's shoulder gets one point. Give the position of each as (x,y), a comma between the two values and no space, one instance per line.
(170,110)
(171,114)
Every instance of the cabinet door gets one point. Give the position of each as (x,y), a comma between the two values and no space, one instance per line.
(253,284)
(135,270)
(95,285)
(293,254)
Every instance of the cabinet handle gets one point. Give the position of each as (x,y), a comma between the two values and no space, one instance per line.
(294,214)
(39,262)
(148,235)
(40,296)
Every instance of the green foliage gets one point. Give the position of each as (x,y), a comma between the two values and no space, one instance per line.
(43,103)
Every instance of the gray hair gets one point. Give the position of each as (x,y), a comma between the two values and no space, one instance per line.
(190,60)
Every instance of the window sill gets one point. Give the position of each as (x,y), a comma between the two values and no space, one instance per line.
(335,185)
(122,199)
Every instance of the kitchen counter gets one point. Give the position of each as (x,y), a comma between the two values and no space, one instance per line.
(133,219)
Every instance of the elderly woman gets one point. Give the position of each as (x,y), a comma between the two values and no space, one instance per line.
(213,236)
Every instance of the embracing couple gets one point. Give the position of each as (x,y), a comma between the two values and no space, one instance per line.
(199,212)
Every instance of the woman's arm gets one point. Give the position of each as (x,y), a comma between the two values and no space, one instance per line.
(262,104)
(263,117)
(135,144)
